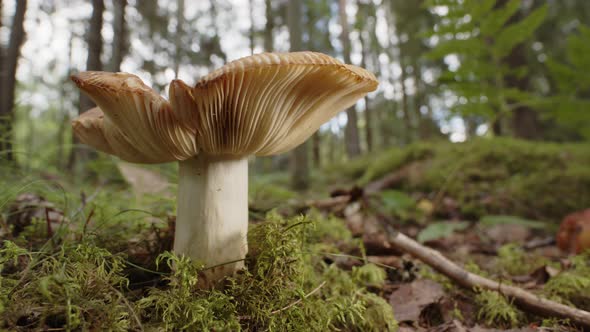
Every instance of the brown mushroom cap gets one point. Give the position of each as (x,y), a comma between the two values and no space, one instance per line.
(263,104)
(137,125)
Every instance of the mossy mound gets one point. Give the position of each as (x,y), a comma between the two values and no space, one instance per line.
(287,286)
(496,176)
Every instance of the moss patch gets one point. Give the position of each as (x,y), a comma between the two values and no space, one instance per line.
(497,176)
(287,286)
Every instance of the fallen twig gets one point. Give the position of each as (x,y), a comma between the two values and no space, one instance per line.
(525,300)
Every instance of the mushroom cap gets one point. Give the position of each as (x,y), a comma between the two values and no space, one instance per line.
(263,104)
(131,121)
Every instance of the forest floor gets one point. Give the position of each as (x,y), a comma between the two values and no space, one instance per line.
(90,257)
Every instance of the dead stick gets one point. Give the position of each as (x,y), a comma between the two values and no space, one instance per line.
(526,300)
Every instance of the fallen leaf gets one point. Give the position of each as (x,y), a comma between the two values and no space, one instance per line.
(411,299)
(537,278)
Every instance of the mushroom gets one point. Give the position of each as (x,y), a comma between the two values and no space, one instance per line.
(260,105)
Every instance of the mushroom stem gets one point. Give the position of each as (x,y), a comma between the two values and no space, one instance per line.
(212,216)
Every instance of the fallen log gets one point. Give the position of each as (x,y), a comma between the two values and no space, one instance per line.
(523,299)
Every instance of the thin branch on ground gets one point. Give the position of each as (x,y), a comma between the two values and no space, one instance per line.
(523,299)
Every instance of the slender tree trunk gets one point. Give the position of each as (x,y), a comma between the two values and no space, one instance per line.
(252,32)
(405,107)
(94,38)
(367,111)
(9,66)
(525,120)
(353,146)
(217,43)
(268,27)
(120,35)
(300,163)
(178,37)
(65,117)
(316,137)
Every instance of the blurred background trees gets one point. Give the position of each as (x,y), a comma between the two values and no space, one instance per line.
(449,69)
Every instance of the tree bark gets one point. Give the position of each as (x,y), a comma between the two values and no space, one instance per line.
(268,27)
(300,163)
(367,112)
(315,138)
(94,40)
(351,132)
(252,32)
(9,66)
(405,107)
(524,119)
(178,37)
(120,44)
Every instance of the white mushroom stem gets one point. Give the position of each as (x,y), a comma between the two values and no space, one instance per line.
(212,216)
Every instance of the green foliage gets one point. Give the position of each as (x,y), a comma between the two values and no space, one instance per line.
(570,106)
(496,310)
(481,36)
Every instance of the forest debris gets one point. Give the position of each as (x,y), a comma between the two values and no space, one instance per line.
(452,326)
(538,277)
(27,207)
(502,234)
(574,232)
(410,300)
(524,299)
(378,244)
(394,178)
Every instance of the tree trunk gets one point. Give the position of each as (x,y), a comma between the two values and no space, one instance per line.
(405,107)
(300,164)
(367,111)
(315,138)
(120,36)
(525,121)
(9,66)
(268,27)
(94,38)
(64,120)
(351,132)
(252,32)
(178,38)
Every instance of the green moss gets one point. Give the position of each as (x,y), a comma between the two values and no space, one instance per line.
(512,260)
(286,286)
(394,158)
(496,310)
(77,287)
(496,176)
(572,286)
(369,275)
